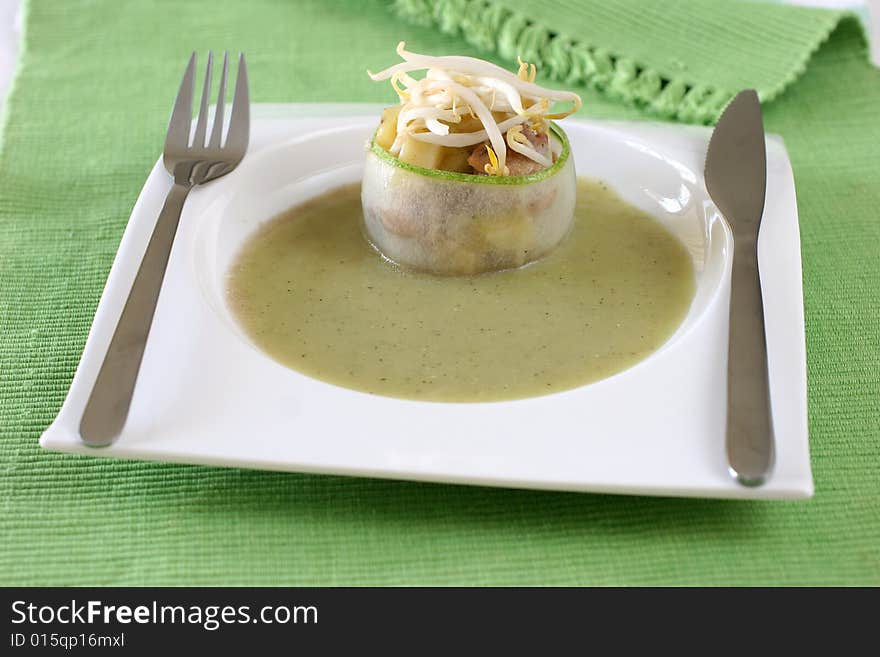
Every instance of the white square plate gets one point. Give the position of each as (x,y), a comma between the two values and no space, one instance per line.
(206,395)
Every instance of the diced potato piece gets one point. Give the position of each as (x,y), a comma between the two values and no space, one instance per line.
(420,153)
(455,159)
(468,123)
(512,232)
(387,132)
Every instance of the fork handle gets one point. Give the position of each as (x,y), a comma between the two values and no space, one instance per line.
(108,404)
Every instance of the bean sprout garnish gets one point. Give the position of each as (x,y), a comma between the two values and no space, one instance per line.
(455,88)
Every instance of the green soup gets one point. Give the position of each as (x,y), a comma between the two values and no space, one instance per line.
(312,293)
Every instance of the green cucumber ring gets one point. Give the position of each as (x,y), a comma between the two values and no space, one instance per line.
(454,176)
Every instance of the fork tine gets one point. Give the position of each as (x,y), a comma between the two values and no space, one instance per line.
(239,121)
(202,123)
(181,115)
(217,130)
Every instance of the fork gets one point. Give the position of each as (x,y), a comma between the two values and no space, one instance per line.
(190,163)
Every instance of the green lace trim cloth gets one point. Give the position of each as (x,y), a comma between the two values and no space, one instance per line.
(662,55)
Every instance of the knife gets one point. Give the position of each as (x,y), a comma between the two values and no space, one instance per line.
(736,179)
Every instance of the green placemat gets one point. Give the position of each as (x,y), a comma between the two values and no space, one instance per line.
(683,59)
(84,124)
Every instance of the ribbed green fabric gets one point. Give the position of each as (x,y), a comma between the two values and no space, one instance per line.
(681,59)
(85,123)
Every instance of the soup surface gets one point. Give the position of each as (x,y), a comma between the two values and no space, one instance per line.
(312,293)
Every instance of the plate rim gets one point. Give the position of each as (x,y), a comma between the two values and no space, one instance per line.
(50,438)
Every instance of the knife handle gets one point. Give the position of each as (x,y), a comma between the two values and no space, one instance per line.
(750,438)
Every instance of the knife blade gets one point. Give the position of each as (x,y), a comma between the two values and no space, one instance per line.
(736,179)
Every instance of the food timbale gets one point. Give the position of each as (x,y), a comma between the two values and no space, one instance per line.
(468,174)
